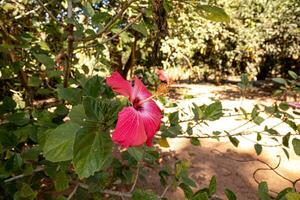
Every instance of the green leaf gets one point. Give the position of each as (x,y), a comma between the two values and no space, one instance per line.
(163,142)
(254,112)
(61,181)
(32,153)
(141,28)
(200,196)
(286,153)
(296,145)
(34,81)
(167,5)
(8,104)
(92,109)
(52,74)
(195,141)
(136,152)
(286,139)
(244,112)
(279,80)
(234,141)
(263,191)
(292,124)
(271,131)
(59,143)
(89,9)
(284,106)
(258,137)
(292,196)
(77,114)
(213,111)
(281,194)
(212,188)
(92,152)
(214,13)
(100,17)
(20,118)
(293,74)
(258,120)
(229,194)
(188,192)
(71,95)
(25,192)
(143,195)
(14,163)
(173,118)
(186,180)
(93,86)
(258,149)
(45,59)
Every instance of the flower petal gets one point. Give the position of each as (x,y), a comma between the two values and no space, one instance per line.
(139,90)
(130,130)
(151,117)
(119,84)
(294,105)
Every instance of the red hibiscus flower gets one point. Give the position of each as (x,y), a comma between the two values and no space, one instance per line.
(138,123)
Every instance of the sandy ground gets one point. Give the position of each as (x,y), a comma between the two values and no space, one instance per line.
(221,158)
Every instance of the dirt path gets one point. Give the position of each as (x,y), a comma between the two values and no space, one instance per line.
(222,158)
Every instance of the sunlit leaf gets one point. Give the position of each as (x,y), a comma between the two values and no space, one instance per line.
(213,13)
(163,142)
(292,196)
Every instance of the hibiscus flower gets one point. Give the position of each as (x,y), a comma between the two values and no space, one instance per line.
(138,123)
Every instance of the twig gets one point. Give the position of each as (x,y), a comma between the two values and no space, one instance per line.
(49,13)
(111,192)
(112,37)
(264,145)
(165,191)
(111,22)
(135,178)
(70,45)
(269,167)
(39,169)
(124,29)
(32,11)
(73,192)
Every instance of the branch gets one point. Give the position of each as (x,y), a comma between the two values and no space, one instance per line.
(269,167)
(111,22)
(49,13)
(111,192)
(70,45)
(165,191)
(32,11)
(114,36)
(125,28)
(135,178)
(38,169)
(73,192)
